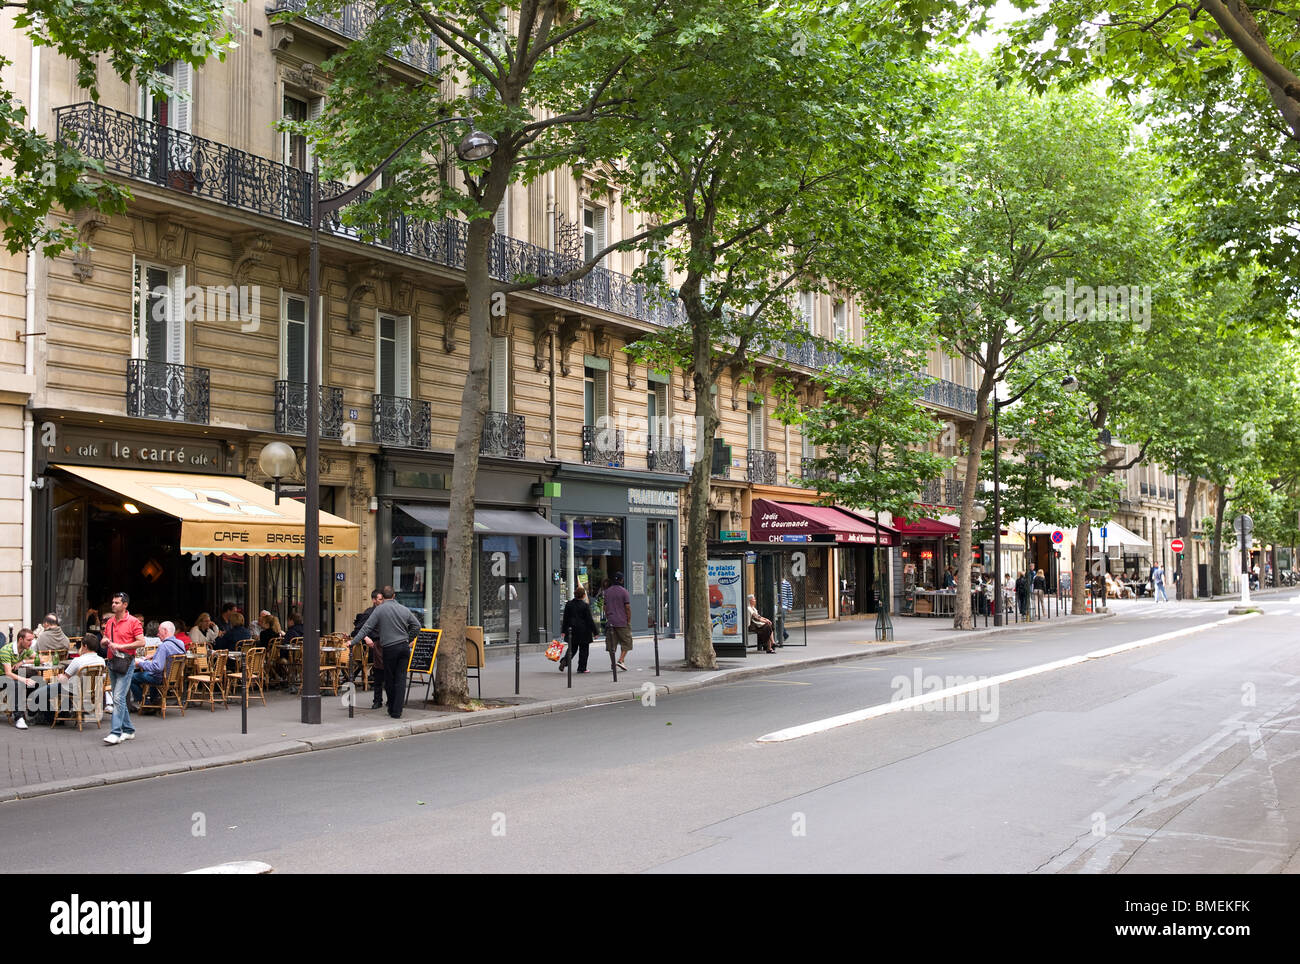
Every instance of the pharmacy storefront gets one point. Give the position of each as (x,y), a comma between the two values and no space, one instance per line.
(628,526)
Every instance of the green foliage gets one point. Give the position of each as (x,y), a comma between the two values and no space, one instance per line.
(42,177)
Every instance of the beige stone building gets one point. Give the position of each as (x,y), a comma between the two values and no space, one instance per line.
(175,344)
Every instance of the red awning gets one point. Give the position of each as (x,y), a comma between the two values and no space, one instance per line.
(790,522)
(925,528)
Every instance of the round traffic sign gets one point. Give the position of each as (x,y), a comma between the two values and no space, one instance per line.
(1176,545)
(1057,536)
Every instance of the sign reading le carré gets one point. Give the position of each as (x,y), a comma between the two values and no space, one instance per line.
(80,446)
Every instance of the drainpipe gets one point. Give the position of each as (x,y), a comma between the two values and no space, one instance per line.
(29,358)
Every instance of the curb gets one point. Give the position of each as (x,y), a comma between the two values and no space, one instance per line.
(483,717)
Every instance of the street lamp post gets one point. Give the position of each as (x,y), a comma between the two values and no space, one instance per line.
(475,146)
(1069,383)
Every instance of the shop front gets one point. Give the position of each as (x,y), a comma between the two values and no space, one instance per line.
(511,533)
(926,557)
(616,522)
(160,521)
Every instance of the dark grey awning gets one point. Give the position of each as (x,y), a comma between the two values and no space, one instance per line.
(500,522)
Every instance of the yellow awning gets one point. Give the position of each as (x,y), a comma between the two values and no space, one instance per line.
(223,514)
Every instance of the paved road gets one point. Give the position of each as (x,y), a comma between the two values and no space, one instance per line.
(1177,756)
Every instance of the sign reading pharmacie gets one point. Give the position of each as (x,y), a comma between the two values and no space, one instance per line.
(77,445)
(663,502)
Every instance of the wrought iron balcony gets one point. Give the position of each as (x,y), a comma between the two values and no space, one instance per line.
(945,492)
(666,455)
(141,150)
(602,446)
(809,469)
(291,409)
(762,468)
(352,22)
(503,435)
(176,393)
(940,391)
(401,422)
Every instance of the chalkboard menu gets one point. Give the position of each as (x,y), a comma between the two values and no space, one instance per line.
(424,652)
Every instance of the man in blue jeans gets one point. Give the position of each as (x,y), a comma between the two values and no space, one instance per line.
(123,634)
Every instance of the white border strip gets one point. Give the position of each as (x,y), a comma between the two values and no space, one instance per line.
(898,706)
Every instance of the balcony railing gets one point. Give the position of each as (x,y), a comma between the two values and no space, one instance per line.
(131,147)
(666,455)
(352,22)
(176,393)
(291,410)
(503,435)
(945,492)
(401,422)
(762,468)
(940,391)
(601,446)
(809,469)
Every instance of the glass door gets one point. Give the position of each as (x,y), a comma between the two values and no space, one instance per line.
(658,594)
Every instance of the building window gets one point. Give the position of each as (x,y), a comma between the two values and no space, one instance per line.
(841,321)
(757,425)
(393,356)
(807,311)
(158,333)
(293,337)
(595,395)
(945,367)
(170,109)
(501,220)
(296,148)
(594,233)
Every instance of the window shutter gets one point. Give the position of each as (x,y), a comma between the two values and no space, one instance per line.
(664,427)
(156,297)
(501,220)
(315,107)
(600,402)
(602,231)
(182,113)
(402,355)
(757,425)
(945,366)
(499,374)
(175,328)
(809,450)
(806,306)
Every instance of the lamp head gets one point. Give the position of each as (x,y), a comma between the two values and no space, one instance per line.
(476,145)
(979,513)
(1069,384)
(276,460)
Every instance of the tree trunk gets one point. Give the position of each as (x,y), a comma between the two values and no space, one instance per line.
(1188,505)
(699,623)
(1216,547)
(963,618)
(1079,604)
(451,687)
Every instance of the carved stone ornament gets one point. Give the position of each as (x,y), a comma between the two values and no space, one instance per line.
(362,280)
(452,315)
(249,251)
(171,239)
(570,333)
(631,370)
(688,379)
(546,334)
(88,222)
(602,341)
(306,77)
(404,293)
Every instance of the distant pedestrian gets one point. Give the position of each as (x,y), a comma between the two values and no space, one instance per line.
(1040,592)
(618,616)
(394,628)
(760,626)
(376,654)
(1158,583)
(579,628)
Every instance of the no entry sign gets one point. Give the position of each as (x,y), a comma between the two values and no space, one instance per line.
(1176,545)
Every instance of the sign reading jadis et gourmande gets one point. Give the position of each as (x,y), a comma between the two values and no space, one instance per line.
(652,501)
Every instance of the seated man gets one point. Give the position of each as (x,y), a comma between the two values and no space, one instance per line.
(16,686)
(50,638)
(67,685)
(154,669)
(761,626)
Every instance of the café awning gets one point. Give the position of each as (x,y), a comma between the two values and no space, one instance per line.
(792,522)
(223,514)
(924,528)
(495,522)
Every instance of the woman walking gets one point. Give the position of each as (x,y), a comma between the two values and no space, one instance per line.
(578,628)
(1040,592)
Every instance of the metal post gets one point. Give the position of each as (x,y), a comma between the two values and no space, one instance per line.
(516,659)
(309,693)
(613,666)
(658,613)
(243,703)
(998,616)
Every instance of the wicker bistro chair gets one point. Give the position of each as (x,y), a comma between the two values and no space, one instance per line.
(207,677)
(330,669)
(253,672)
(171,688)
(86,699)
(276,665)
(360,664)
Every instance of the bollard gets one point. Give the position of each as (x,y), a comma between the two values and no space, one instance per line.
(613,665)
(516,662)
(243,703)
(569,667)
(656,646)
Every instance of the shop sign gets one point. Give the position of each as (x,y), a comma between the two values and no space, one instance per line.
(87,448)
(652,501)
(725,604)
(734,535)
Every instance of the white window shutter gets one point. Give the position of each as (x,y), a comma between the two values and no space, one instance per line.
(602,230)
(945,367)
(807,306)
(183,103)
(176,318)
(402,356)
(315,106)
(500,374)
(501,220)
(664,428)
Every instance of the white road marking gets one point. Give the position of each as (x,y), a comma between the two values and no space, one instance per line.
(236,867)
(898,706)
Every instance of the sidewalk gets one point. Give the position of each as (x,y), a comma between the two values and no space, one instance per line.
(45,760)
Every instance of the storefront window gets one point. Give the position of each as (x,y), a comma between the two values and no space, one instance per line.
(417,568)
(233,582)
(597,553)
(501,600)
(70,565)
(804,584)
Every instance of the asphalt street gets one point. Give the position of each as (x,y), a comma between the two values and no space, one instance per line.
(1177,756)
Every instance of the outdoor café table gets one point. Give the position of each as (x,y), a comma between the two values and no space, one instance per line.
(46,670)
(943,601)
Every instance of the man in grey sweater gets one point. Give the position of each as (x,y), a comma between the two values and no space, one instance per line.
(50,638)
(392,626)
